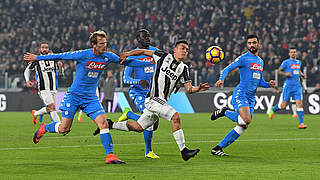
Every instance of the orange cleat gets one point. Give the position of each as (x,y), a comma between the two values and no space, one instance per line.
(113,159)
(34,119)
(295,115)
(39,133)
(302,126)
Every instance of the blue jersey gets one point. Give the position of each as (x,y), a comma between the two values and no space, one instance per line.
(293,67)
(140,73)
(89,69)
(250,68)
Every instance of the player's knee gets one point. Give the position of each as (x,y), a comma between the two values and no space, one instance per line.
(64,129)
(176,118)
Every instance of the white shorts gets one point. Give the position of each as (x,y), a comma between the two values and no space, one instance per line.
(48,97)
(155,108)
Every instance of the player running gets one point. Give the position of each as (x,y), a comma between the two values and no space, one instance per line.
(82,93)
(169,71)
(46,72)
(291,68)
(243,98)
(139,87)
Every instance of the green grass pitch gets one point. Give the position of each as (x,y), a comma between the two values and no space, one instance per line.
(269,149)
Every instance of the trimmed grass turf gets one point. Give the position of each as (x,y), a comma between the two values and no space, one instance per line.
(274,149)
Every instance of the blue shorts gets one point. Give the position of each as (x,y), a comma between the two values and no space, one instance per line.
(138,98)
(71,103)
(240,100)
(291,91)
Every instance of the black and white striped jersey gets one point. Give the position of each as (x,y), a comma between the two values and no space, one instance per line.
(46,74)
(168,73)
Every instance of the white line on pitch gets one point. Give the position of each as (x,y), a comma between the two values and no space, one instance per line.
(159,143)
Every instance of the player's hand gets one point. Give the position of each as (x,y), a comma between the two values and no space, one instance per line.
(219,83)
(30,57)
(29,84)
(272,83)
(203,87)
(144,84)
(123,56)
(304,77)
(59,63)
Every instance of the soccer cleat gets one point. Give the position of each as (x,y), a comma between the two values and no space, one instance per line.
(124,117)
(34,118)
(187,154)
(271,114)
(110,124)
(151,155)
(295,115)
(39,133)
(113,159)
(218,152)
(219,113)
(96,132)
(302,126)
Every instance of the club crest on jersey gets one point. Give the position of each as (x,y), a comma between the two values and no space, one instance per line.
(95,65)
(257,67)
(146,59)
(295,66)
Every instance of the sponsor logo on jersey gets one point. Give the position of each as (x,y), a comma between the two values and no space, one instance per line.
(295,66)
(146,59)
(169,73)
(95,65)
(257,67)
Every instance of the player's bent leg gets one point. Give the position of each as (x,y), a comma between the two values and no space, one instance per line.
(179,137)
(106,140)
(219,113)
(300,114)
(53,113)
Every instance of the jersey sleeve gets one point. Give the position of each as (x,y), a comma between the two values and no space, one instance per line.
(75,55)
(158,54)
(133,62)
(127,79)
(235,64)
(283,65)
(28,70)
(185,75)
(263,83)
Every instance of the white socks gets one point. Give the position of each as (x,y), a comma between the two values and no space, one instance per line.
(41,111)
(179,137)
(120,126)
(239,129)
(55,117)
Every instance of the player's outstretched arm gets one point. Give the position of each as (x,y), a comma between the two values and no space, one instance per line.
(191,89)
(219,83)
(136,52)
(127,79)
(30,57)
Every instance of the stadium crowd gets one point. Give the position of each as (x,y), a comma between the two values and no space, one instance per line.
(66,25)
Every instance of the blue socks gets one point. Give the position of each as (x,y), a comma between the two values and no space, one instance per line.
(232,115)
(133,116)
(106,141)
(51,127)
(275,108)
(147,139)
(300,116)
(229,139)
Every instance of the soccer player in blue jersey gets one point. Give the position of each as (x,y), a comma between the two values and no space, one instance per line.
(250,66)
(291,68)
(82,93)
(139,87)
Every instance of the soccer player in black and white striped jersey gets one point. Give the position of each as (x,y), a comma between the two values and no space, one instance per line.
(46,79)
(169,71)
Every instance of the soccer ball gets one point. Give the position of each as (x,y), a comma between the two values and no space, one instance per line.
(214,54)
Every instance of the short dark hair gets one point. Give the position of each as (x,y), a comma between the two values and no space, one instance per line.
(250,36)
(43,42)
(181,41)
(141,31)
(292,47)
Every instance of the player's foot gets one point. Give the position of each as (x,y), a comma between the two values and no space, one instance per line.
(187,154)
(113,159)
(41,118)
(219,113)
(302,126)
(110,123)
(124,117)
(151,155)
(217,151)
(271,114)
(39,133)
(295,115)
(96,132)
(34,118)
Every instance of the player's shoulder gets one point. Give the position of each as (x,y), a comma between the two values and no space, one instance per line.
(160,53)
(153,48)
